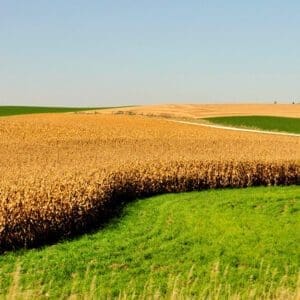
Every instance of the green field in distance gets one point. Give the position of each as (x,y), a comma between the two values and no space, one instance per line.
(269,123)
(22,110)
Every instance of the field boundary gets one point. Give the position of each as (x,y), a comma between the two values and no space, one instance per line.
(237,129)
(25,225)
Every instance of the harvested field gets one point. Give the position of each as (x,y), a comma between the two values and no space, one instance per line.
(64,174)
(193,111)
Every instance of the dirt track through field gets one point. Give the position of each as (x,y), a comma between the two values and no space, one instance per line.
(238,129)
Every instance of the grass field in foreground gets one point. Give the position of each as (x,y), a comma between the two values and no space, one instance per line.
(216,242)
(283,124)
(22,110)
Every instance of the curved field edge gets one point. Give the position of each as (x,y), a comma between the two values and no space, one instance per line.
(234,243)
(68,212)
(269,123)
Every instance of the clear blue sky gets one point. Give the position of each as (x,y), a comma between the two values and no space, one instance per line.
(96,53)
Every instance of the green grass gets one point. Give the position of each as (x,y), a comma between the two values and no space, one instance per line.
(199,243)
(291,125)
(22,110)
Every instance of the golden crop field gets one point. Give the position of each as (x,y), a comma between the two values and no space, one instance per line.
(193,111)
(63,174)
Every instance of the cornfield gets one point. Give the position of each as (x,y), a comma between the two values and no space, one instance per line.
(65,174)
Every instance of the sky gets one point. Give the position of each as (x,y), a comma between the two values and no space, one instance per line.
(109,53)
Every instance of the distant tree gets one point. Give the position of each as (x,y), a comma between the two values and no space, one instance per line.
(275,102)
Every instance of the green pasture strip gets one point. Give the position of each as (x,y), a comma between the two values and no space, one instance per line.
(235,240)
(269,123)
(22,110)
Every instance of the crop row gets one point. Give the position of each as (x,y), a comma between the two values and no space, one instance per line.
(46,217)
